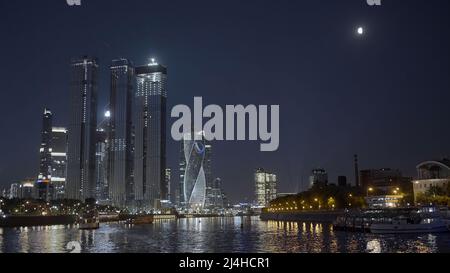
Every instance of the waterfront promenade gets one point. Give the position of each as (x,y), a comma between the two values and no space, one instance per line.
(309,216)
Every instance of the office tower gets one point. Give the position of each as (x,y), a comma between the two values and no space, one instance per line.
(266,187)
(120,132)
(356,171)
(14,191)
(150,135)
(82,129)
(342,181)
(167,182)
(209,201)
(182,170)
(318,177)
(226,201)
(43,183)
(194,178)
(101,166)
(384,181)
(59,162)
(27,189)
(216,198)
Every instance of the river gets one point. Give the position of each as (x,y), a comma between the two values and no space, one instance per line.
(215,235)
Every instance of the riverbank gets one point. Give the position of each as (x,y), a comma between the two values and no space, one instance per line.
(13,221)
(30,221)
(313,216)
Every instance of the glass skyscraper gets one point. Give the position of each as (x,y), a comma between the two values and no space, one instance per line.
(45,167)
(81,178)
(101,170)
(194,167)
(266,187)
(120,132)
(150,135)
(59,161)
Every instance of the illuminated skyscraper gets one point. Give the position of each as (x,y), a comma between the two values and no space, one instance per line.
(150,135)
(101,163)
(215,196)
(168,182)
(81,180)
(207,165)
(194,162)
(119,132)
(59,162)
(181,203)
(45,167)
(266,187)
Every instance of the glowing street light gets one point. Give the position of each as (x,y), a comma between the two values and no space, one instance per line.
(369,190)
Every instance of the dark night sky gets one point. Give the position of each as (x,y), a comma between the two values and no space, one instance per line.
(384,96)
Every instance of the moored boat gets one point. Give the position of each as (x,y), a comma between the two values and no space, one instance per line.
(402,220)
(89,220)
(140,220)
(409,225)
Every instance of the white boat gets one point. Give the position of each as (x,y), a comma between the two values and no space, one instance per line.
(403,224)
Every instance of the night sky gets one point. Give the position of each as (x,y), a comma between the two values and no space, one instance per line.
(384,95)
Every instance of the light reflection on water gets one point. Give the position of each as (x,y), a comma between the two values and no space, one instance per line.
(217,235)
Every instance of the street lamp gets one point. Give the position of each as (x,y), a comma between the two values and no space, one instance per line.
(369,190)
(318,201)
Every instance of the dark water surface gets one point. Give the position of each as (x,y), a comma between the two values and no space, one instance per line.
(222,235)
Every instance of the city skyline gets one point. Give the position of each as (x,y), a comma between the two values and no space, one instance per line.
(214,135)
(379,112)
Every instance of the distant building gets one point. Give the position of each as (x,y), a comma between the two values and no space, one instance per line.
(266,187)
(14,191)
(168,182)
(342,181)
(43,182)
(27,189)
(81,177)
(432,174)
(318,177)
(180,201)
(357,178)
(210,198)
(59,162)
(216,201)
(101,164)
(226,201)
(385,182)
